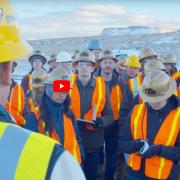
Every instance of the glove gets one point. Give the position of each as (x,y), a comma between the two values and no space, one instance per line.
(80,123)
(138,144)
(97,124)
(153,150)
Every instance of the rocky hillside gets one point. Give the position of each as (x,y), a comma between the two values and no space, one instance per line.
(161,42)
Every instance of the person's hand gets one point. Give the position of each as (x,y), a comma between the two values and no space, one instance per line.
(80,123)
(97,124)
(138,144)
(153,150)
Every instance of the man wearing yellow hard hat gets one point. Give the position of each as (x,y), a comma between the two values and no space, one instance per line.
(29,155)
(132,75)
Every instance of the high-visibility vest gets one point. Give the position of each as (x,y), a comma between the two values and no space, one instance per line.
(70,140)
(29,82)
(116,98)
(16,104)
(135,84)
(155,167)
(30,99)
(97,103)
(27,154)
(73,78)
(176,75)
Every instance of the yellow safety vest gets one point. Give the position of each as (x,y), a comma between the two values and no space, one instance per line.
(27,153)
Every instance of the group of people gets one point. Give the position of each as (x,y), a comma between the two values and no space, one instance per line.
(121,115)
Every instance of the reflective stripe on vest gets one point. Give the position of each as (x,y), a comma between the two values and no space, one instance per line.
(30,99)
(98,101)
(30,82)
(73,78)
(135,83)
(70,141)
(156,167)
(115,98)
(27,154)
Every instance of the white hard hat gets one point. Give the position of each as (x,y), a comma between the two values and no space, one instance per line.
(63,56)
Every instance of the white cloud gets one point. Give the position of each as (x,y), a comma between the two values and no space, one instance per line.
(100,10)
(84,20)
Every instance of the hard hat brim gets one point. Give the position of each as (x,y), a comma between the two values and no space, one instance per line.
(12,51)
(34,56)
(38,85)
(75,63)
(50,61)
(169,93)
(101,59)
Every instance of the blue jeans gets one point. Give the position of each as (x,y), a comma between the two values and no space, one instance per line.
(90,164)
(111,148)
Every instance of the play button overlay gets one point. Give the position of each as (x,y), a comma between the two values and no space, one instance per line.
(61,86)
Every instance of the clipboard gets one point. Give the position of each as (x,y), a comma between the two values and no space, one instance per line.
(85,121)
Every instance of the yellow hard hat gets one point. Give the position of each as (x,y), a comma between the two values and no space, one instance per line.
(153,65)
(11,45)
(133,61)
(57,74)
(6,13)
(39,77)
(170,59)
(147,53)
(157,86)
(85,55)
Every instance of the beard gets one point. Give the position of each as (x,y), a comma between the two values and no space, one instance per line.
(107,70)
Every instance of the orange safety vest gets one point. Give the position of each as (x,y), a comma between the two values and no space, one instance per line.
(116,98)
(176,75)
(97,104)
(29,82)
(73,78)
(141,101)
(30,99)
(16,104)
(155,167)
(70,140)
(135,83)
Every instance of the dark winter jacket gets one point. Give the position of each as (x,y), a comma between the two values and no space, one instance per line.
(155,118)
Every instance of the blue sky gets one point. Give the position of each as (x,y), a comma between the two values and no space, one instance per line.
(40,19)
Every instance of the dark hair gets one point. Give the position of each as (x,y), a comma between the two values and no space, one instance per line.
(30,72)
(47,117)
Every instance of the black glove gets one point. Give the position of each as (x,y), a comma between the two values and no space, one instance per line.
(97,124)
(153,150)
(80,123)
(138,144)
